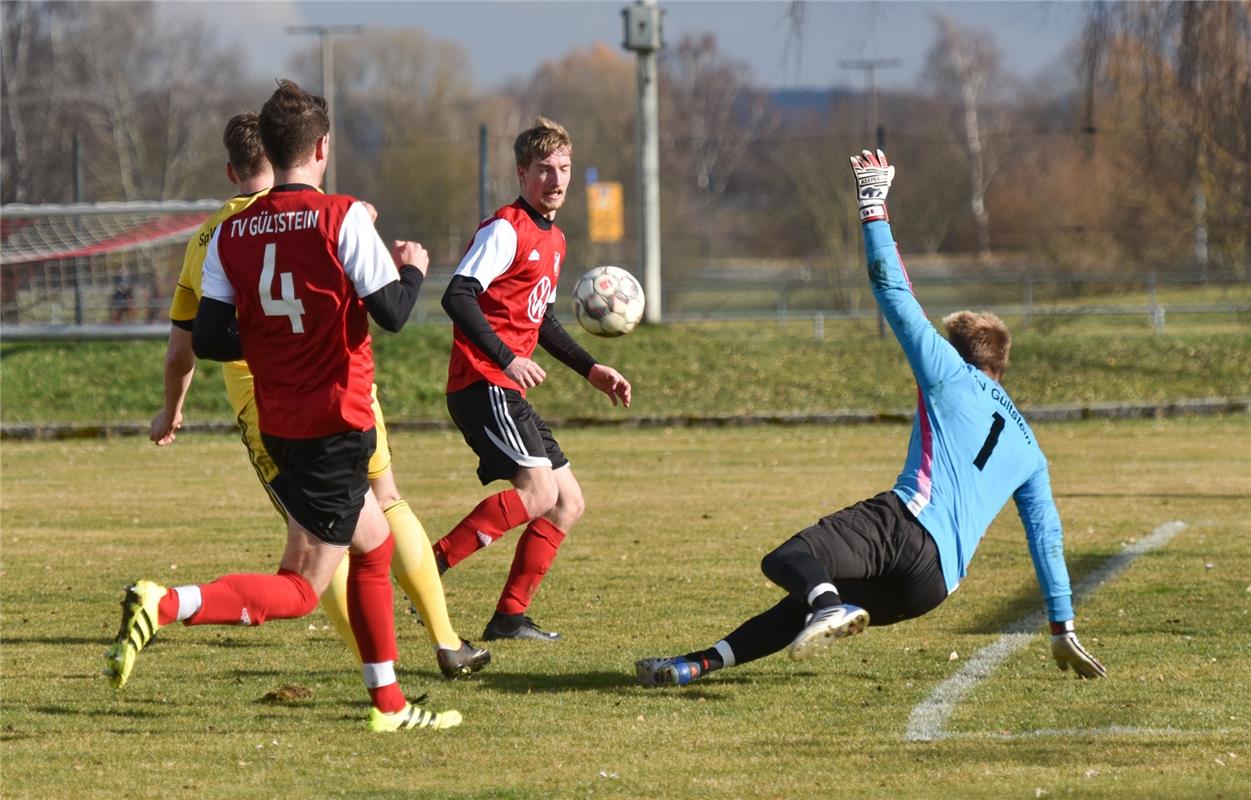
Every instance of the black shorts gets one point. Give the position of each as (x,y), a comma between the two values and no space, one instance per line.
(322,482)
(880,558)
(504,430)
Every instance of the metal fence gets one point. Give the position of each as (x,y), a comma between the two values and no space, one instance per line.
(1039,300)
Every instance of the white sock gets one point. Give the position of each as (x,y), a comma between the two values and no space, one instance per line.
(727,655)
(189,601)
(379,673)
(820,589)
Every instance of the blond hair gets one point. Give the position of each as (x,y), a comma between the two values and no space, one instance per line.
(981,339)
(540,141)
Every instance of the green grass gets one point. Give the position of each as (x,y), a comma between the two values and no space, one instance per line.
(686,369)
(665,560)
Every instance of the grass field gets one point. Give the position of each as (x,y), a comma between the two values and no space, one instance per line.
(665,560)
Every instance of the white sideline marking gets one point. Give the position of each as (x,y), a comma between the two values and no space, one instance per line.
(928,719)
(1109,730)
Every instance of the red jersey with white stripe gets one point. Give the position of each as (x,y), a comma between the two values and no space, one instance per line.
(295,264)
(515,256)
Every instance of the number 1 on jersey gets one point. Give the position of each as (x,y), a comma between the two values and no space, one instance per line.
(288,305)
(996,427)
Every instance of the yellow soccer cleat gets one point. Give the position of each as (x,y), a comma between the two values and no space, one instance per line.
(410,716)
(139,625)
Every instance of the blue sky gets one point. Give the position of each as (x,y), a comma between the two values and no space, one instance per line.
(507,40)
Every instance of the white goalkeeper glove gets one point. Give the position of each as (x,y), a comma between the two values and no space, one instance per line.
(873,177)
(1068,652)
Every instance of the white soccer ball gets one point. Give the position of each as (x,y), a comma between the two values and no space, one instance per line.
(608,301)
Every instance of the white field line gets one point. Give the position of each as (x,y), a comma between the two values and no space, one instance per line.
(929,718)
(1092,733)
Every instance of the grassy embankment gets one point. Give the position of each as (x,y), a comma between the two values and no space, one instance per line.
(686,369)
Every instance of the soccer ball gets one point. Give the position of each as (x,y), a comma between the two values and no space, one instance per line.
(608,301)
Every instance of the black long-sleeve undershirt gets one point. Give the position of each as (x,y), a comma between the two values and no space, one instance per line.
(556,340)
(460,301)
(391,305)
(214,335)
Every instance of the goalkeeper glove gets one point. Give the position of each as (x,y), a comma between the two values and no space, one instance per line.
(1068,652)
(873,177)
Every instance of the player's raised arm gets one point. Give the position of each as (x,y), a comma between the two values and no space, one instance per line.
(931,357)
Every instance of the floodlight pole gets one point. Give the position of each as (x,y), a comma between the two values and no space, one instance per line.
(327,78)
(870,66)
(643,37)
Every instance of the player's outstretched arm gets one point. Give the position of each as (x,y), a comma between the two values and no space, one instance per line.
(1068,652)
(611,383)
(179,370)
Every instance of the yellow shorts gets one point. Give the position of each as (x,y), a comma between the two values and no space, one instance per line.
(239,390)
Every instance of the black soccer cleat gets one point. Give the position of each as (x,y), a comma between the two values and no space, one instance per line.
(462,661)
(506,627)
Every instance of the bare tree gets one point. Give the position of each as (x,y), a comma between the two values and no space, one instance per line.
(1173,80)
(711,113)
(963,66)
(146,101)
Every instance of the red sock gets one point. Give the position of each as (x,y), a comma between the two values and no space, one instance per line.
(370,603)
(536,550)
(250,599)
(494,517)
(371,613)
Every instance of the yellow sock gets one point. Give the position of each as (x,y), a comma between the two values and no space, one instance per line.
(334,604)
(413,566)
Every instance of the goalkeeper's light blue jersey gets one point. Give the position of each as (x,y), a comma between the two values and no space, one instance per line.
(971,449)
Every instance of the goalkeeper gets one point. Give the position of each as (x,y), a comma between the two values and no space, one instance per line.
(898,555)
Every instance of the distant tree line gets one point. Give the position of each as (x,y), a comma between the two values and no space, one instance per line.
(1135,155)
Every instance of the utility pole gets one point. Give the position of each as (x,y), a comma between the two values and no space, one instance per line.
(483,177)
(643,37)
(870,66)
(872,122)
(327,78)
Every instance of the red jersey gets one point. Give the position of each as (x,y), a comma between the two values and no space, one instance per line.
(295,264)
(516,257)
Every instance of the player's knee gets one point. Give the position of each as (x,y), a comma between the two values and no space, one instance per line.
(769,563)
(570,509)
(302,599)
(539,498)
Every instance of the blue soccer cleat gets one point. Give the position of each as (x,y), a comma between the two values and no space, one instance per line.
(676,671)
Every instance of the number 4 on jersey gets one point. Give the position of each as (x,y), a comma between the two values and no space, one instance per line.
(288,305)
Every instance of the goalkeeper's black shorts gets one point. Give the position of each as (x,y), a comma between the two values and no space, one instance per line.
(880,558)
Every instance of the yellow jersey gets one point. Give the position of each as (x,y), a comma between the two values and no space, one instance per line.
(187,293)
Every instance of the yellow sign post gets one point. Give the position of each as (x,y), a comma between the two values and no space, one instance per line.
(606,211)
